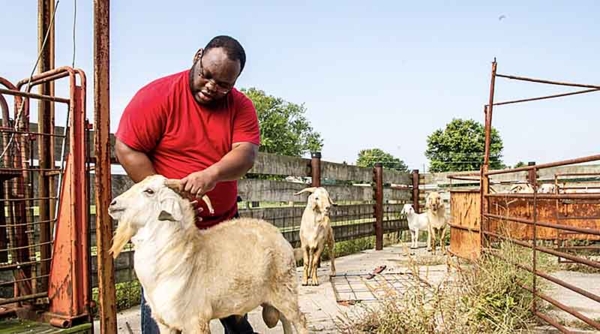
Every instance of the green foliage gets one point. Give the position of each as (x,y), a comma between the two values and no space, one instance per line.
(368,158)
(460,147)
(520,164)
(284,128)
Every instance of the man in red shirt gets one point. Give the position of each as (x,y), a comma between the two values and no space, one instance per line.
(194,126)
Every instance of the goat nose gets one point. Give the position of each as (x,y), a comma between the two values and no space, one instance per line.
(113,202)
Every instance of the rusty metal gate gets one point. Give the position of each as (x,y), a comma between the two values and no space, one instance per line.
(44,246)
(555,223)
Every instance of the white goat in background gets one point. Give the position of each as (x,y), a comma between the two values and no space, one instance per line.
(417,222)
(315,232)
(436,212)
(192,276)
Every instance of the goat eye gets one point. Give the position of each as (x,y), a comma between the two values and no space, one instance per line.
(149,191)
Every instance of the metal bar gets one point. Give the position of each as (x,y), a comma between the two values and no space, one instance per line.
(513,77)
(548,251)
(34,95)
(31,133)
(19,281)
(532,179)
(106,279)
(415,190)
(552,322)
(18,200)
(488,114)
(315,169)
(27,246)
(378,197)
(544,224)
(13,266)
(46,48)
(550,278)
(546,97)
(5,301)
(572,196)
(27,224)
(546,165)
(565,308)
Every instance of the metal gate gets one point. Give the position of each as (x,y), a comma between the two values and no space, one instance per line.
(542,222)
(44,246)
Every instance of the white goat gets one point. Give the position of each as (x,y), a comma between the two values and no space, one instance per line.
(521,188)
(191,276)
(315,231)
(436,212)
(416,222)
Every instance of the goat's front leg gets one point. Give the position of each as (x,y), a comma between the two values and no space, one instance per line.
(429,232)
(442,241)
(306,259)
(331,246)
(316,255)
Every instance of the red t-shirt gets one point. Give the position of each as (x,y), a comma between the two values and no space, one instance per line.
(181,137)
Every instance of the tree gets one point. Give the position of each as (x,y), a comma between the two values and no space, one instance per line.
(284,128)
(460,147)
(520,164)
(368,158)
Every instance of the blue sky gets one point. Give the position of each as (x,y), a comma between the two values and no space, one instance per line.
(385,74)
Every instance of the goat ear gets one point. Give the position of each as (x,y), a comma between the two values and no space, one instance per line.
(331,202)
(309,189)
(170,209)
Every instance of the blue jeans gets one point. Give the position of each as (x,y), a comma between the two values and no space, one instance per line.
(230,324)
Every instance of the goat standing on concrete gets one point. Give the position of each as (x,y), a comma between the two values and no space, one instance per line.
(191,276)
(416,222)
(315,231)
(436,213)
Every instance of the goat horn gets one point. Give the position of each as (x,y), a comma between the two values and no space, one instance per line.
(208,204)
(309,189)
(174,184)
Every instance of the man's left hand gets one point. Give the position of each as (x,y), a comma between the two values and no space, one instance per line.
(199,183)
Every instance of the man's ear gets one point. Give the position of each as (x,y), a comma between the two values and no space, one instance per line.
(197,55)
(170,209)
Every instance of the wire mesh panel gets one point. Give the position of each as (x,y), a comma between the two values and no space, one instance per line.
(38,165)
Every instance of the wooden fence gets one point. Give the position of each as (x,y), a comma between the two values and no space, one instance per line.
(369,200)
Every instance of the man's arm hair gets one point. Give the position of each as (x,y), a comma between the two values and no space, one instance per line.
(137,165)
(236,163)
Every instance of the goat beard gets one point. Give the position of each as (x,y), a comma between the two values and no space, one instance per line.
(122,235)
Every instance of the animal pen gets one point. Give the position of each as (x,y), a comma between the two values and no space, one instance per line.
(564,224)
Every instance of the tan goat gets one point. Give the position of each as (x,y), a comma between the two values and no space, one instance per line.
(436,213)
(315,232)
(192,276)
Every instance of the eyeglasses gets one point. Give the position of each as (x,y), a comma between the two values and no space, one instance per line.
(223,89)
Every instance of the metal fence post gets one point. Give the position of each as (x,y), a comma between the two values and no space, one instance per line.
(378,207)
(415,190)
(315,168)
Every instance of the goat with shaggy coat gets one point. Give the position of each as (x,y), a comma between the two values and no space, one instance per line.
(315,232)
(191,276)
(416,222)
(436,213)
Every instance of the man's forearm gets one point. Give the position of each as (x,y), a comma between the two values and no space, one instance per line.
(235,164)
